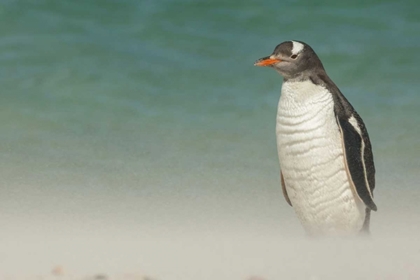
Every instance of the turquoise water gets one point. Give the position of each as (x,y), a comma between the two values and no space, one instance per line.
(125,119)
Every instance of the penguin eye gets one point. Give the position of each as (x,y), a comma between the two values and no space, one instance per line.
(294,56)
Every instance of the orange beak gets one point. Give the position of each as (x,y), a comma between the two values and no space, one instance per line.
(266,61)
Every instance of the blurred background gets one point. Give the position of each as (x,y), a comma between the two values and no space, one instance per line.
(138,137)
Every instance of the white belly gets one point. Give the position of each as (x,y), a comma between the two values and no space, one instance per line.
(312,162)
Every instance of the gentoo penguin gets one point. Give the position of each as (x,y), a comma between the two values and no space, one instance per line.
(326,162)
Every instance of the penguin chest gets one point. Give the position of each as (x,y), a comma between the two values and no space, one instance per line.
(312,161)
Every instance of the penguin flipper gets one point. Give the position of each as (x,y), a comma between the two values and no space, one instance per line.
(358,157)
(283,188)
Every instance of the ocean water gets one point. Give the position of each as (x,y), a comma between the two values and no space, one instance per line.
(138,137)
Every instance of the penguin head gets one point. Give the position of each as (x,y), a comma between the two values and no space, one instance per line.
(292,59)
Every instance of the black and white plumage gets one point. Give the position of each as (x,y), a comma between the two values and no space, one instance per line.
(326,160)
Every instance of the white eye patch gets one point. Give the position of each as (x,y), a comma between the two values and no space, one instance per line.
(297,47)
